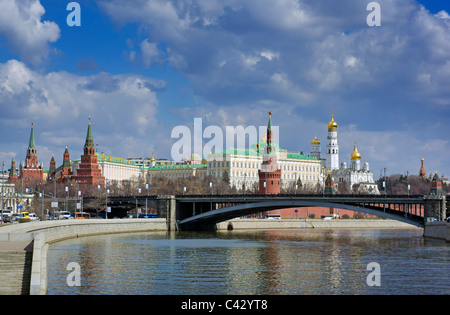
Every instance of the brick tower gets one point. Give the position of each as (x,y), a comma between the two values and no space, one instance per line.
(52,169)
(66,172)
(270,173)
(31,172)
(89,172)
(436,186)
(329,185)
(13,178)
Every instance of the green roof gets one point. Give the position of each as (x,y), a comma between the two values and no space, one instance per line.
(32,144)
(178,167)
(261,144)
(89,138)
(299,156)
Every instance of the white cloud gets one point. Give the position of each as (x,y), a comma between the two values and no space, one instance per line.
(269,55)
(59,103)
(26,34)
(150,53)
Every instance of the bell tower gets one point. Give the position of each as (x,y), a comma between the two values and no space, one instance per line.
(332,146)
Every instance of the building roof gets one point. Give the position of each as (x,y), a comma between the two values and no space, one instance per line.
(178,167)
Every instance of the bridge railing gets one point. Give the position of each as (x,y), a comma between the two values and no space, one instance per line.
(301,195)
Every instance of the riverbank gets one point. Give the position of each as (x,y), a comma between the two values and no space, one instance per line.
(240,224)
(38,236)
(437,230)
(26,270)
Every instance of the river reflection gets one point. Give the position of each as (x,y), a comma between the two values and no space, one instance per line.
(307,261)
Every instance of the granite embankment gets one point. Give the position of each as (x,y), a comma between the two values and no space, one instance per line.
(23,247)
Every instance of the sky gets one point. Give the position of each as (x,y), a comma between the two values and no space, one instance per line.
(139,68)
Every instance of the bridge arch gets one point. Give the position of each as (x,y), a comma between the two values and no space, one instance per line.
(227,213)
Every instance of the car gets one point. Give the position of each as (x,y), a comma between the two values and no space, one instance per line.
(64,215)
(33,217)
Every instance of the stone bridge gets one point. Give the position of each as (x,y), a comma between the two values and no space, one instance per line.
(204,211)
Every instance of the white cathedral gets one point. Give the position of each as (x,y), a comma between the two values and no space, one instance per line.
(360,180)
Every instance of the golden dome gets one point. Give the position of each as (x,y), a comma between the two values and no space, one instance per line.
(332,125)
(355,155)
(315,140)
(152,159)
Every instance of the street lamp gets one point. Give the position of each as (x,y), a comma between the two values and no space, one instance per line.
(245,183)
(407,182)
(146,204)
(67,198)
(3,165)
(106,203)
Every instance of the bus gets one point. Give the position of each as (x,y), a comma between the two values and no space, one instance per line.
(82,215)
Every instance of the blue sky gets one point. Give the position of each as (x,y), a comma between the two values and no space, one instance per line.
(140,68)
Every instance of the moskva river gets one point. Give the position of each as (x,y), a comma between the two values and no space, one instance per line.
(274,262)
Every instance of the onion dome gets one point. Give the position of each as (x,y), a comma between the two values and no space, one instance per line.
(315,140)
(355,155)
(332,125)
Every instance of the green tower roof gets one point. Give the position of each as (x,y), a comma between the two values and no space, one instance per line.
(32,144)
(89,138)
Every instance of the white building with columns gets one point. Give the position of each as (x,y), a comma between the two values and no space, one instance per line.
(13,199)
(242,166)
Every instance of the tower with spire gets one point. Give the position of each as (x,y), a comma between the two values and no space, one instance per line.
(13,178)
(89,173)
(66,171)
(270,173)
(52,169)
(31,172)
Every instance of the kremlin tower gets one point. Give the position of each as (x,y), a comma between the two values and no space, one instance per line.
(89,172)
(52,169)
(329,185)
(436,186)
(270,173)
(66,171)
(31,171)
(13,178)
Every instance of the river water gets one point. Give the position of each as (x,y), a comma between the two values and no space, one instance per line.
(272,262)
